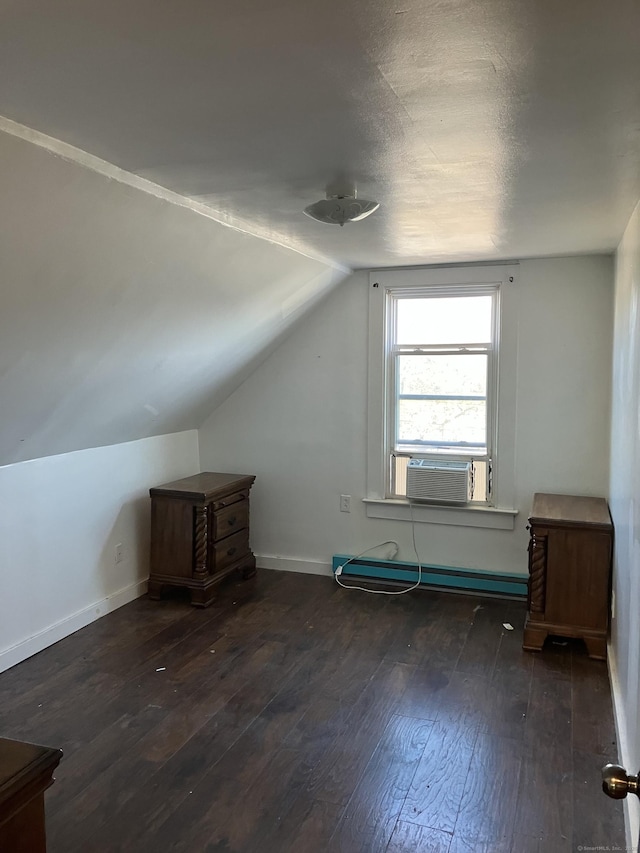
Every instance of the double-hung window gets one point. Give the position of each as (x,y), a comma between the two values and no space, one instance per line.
(442,368)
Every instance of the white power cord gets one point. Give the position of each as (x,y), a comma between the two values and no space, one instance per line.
(340,569)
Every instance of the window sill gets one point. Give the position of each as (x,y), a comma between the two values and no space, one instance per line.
(460,516)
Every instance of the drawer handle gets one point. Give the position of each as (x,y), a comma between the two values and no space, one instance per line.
(232,521)
(231,552)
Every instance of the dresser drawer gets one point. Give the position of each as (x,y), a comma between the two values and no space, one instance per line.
(233,498)
(230,519)
(230,550)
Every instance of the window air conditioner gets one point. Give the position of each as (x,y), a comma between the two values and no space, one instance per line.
(439,482)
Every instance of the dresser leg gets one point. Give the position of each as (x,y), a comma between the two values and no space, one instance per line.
(201,597)
(533,639)
(249,572)
(596,647)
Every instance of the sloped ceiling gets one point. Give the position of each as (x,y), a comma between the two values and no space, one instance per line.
(486,128)
(123,315)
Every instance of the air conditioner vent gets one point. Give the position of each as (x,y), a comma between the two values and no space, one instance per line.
(439,482)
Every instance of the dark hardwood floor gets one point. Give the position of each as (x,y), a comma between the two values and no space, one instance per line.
(307,718)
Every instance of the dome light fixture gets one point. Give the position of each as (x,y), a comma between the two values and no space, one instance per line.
(338,209)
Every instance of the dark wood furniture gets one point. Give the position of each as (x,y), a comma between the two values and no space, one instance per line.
(26,771)
(570,550)
(200,534)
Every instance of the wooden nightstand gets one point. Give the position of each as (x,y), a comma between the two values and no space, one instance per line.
(200,534)
(570,551)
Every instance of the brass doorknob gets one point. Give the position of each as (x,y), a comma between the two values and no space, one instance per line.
(616,782)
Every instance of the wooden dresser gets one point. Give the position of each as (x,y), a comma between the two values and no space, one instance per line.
(26,771)
(570,550)
(200,534)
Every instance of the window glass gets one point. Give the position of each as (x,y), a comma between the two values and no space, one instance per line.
(442,399)
(444,320)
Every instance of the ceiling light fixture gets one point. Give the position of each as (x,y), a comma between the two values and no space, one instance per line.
(338,209)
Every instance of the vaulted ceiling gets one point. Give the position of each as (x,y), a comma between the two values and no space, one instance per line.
(485,128)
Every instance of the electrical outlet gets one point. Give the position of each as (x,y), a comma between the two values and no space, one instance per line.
(345,503)
(118,552)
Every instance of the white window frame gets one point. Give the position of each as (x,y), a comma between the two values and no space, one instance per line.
(393,350)
(501,440)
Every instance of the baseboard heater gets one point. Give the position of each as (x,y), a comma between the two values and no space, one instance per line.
(433,577)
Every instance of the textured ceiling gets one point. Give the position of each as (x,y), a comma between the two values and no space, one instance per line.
(486,128)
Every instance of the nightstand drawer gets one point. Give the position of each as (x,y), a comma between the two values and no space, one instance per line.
(230,520)
(233,498)
(230,550)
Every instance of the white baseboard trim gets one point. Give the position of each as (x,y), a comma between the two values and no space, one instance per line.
(287,564)
(630,805)
(58,631)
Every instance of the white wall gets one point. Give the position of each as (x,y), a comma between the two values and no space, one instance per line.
(299,423)
(124,313)
(60,520)
(625,502)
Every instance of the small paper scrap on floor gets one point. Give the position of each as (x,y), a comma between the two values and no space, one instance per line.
(508,626)
(161,669)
